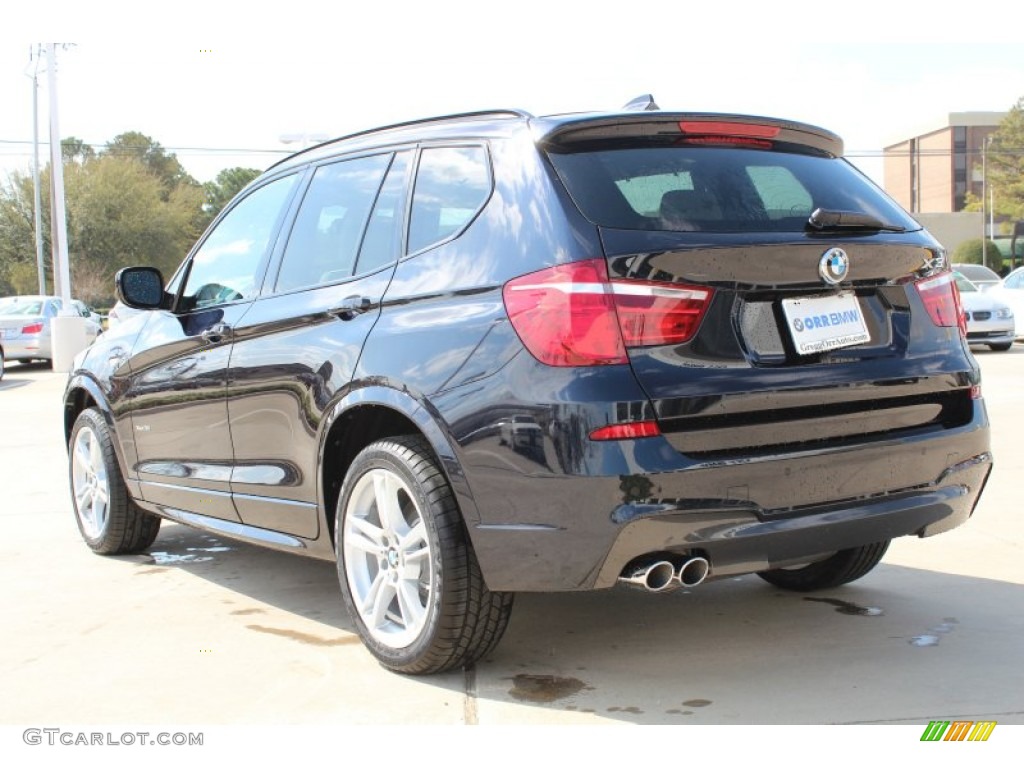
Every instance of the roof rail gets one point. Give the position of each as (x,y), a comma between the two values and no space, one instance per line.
(521,113)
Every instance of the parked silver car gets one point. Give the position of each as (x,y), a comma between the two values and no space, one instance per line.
(989,320)
(25,327)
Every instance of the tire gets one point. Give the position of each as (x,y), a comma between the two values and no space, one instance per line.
(841,568)
(108,519)
(1,363)
(1000,347)
(409,577)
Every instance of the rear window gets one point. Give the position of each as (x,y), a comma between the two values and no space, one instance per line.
(715,189)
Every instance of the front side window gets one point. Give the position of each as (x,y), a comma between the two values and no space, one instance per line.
(329,227)
(452,185)
(228,263)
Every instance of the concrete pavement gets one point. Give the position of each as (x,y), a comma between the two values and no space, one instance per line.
(211,631)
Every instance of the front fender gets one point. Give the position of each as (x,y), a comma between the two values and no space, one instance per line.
(83,391)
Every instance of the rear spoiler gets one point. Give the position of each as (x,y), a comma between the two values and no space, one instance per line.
(560,132)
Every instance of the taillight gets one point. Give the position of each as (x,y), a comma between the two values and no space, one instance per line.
(942,300)
(28,330)
(651,314)
(629,431)
(573,314)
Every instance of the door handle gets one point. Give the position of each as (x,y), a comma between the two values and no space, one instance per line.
(216,333)
(350,307)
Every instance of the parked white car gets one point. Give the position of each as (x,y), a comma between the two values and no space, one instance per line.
(989,320)
(1011,292)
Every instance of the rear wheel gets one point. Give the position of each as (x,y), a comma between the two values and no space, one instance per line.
(408,573)
(108,519)
(841,568)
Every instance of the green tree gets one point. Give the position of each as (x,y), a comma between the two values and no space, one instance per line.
(228,183)
(1006,164)
(120,212)
(970,252)
(18,273)
(74,150)
(163,164)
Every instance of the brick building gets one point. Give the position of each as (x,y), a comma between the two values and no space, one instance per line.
(933,171)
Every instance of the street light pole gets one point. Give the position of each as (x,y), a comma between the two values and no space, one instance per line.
(991,200)
(60,226)
(984,189)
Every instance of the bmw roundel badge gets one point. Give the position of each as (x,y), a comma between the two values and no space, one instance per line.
(834,266)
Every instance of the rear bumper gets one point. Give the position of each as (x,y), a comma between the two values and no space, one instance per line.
(747,515)
(26,348)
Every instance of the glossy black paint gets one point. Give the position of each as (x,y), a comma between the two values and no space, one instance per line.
(243,418)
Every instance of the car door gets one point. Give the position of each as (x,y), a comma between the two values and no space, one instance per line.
(300,343)
(176,391)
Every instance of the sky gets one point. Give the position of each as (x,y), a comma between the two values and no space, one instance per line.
(220,90)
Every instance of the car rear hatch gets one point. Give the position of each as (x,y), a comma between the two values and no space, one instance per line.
(810,311)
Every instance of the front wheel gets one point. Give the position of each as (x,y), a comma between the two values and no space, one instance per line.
(408,573)
(1001,347)
(107,517)
(841,568)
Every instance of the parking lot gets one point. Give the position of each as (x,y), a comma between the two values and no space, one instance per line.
(207,630)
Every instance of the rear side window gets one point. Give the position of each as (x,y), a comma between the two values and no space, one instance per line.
(452,185)
(329,226)
(714,189)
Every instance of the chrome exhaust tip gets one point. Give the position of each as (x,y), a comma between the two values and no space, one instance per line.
(658,576)
(693,571)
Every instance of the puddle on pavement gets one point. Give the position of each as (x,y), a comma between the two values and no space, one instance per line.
(166,558)
(543,689)
(697,703)
(630,710)
(304,637)
(847,608)
(934,634)
(191,555)
(247,611)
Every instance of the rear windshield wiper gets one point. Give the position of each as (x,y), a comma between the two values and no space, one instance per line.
(822,219)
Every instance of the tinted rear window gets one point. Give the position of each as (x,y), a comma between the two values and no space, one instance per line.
(713,189)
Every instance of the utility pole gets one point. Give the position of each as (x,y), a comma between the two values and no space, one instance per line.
(36,194)
(68,336)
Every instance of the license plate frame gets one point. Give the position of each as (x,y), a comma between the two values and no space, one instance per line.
(822,323)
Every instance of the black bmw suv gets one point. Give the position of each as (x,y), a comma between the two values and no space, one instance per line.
(491,352)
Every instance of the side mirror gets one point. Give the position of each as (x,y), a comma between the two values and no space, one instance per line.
(140,287)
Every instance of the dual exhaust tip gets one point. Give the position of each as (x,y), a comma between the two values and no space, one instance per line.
(664,575)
